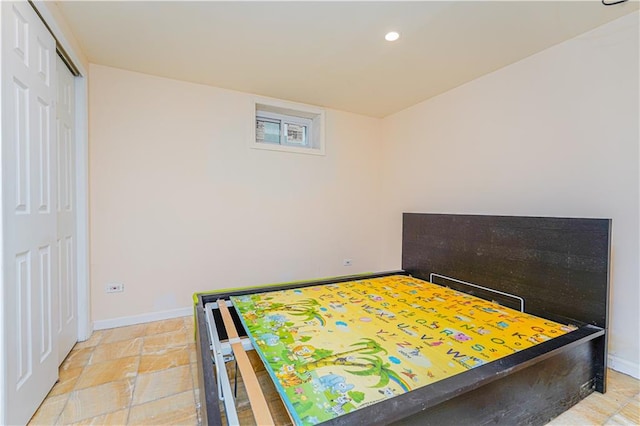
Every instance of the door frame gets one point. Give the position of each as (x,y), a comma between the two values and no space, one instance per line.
(85,326)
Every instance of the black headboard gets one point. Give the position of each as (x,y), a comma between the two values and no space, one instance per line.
(559,266)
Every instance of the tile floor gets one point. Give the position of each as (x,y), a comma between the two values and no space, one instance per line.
(141,374)
(619,406)
(146,374)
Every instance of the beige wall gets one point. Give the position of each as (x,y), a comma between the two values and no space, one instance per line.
(180,203)
(553,135)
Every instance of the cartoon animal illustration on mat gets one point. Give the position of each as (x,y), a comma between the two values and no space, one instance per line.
(410,374)
(287,376)
(538,338)
(344,360)
(304,351)
(270,339)
(336,383)
(336,409)
(277,320)
(469,361)
(250,316)
(342,399)
(461,337)
(338,405)
(387,392)
(290,380)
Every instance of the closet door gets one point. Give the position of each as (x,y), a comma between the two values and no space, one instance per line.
(66,151)
(29,216)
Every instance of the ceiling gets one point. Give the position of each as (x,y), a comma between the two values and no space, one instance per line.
(331,54)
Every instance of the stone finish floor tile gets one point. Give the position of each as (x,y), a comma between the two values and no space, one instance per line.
(121,349)
(189,323)
(94,340)
(168,358)
(622,383)
(172,410)
(78,358)
(598,407)
(160,342)
(124,333)
(632,411)
(97,400)
(166,326)
(147,374)
(619,419)
(108,371)
(50,410)
(66,380)
(159,384)
(115,418)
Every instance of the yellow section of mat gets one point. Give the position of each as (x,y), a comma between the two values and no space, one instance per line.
(335,348)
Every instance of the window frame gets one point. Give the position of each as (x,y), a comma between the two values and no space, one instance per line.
(285,112)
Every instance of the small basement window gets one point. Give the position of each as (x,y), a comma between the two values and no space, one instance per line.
(284,126)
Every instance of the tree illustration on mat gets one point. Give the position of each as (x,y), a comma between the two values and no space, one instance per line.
(362,360)
(365,346)
(377,367)
(307,309)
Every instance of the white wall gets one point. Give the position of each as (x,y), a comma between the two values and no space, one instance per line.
(555,134)
(180,203)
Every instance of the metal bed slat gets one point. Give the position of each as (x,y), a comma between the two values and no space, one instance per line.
(258,403)
(224,387)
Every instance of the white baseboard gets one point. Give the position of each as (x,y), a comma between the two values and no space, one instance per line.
(624,366)
(140,319)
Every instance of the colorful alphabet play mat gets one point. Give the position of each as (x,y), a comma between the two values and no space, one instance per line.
(335,348)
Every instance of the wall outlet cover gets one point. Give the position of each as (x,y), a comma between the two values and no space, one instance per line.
(114,288)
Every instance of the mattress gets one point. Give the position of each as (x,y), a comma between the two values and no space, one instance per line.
(335,348)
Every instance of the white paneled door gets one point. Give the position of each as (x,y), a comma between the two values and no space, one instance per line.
(29,212)
(65,183)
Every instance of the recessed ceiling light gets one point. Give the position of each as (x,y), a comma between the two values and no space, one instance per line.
(392,36)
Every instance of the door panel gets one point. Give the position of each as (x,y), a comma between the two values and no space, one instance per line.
(66,212)
(45,305)
(29,217)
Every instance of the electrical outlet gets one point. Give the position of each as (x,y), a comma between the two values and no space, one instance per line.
(114,288)
(347,262)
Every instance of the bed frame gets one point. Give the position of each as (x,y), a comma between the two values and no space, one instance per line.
(557,267)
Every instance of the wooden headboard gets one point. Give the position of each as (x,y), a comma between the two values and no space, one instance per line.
(559,266)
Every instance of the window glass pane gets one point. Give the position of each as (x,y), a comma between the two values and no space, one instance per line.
(267,131)
(296,133)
